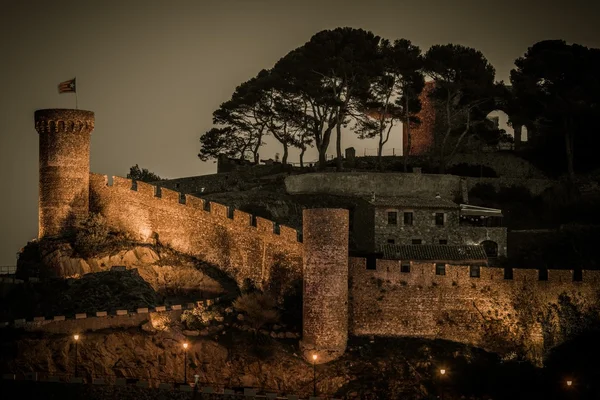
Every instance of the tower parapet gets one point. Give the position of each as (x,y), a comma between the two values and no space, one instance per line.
(64,151)
(325,290)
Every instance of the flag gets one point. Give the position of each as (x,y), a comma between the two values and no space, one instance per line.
(67,86)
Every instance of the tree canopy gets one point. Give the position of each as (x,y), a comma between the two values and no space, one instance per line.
(557,89)
(464,93)
(351,78)
(142,175)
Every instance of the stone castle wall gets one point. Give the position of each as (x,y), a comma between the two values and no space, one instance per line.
(383,184)
(243,246)
(522,314)
(325,282)
(64,163)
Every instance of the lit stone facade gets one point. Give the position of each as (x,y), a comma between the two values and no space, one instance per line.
(325,280)
(493,310)
(64,151)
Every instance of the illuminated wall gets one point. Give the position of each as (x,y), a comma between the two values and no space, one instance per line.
(524,314)
(422,134)
(246,248)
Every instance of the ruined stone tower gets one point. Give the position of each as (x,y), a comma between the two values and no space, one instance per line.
(64,168)
(325,291)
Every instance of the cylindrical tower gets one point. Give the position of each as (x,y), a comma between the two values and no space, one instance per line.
(64,168)
(325,288)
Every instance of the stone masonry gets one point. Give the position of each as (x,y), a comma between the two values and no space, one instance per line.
(64,168)
(341,295)
(325,283)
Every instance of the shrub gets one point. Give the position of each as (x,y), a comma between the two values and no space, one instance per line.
(91,235)
(260,308)
(199,317)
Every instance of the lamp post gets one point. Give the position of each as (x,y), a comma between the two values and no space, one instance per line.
(314,357)
(442,374)
(76,338)
(185,346)
(570,393)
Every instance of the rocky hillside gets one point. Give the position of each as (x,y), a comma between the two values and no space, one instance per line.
(153,276)
(371,369)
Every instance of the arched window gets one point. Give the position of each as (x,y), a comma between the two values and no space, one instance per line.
(490,248)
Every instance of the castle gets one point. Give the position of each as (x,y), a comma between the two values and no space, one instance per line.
(497,309)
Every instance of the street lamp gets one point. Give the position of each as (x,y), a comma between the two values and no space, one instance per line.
(569,383)
(314,357)
(76,338)
(185,346)
(442,374)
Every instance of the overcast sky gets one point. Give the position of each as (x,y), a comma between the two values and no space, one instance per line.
(154,71)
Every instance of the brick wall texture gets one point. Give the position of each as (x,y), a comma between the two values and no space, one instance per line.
(228,240)
(421,134)
(64,168)
(325,283)
(522,314)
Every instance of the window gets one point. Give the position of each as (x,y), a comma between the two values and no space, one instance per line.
(474,271)
(443,241)
(392,218)
(408,218)
(371,262)
(391,241)
(439,219)
(405,266)
(440,269)
(417,241)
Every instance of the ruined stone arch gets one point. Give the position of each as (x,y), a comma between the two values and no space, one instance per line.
(490,247)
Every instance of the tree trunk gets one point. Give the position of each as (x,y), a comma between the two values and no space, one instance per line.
(322,147)
(380,152)
(338,144)
(285,154)
(302,157)
(322,158)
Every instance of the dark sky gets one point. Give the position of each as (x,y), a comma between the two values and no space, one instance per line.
(154,71)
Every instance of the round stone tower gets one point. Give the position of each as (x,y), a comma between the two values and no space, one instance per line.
(64,168)
(325,289)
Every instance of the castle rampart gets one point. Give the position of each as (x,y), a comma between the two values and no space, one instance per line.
(487,310)
(64,151)
(469,304)
(245,247)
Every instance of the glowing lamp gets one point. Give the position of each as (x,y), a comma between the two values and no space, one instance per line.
(569,383)
(314,357)
(185,345)
(76,337)
(442,371)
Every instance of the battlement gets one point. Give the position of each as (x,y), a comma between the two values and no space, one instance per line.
(222,213)
(64,121)
(418,273)
(243,245)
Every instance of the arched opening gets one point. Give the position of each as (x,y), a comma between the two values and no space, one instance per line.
(490,247)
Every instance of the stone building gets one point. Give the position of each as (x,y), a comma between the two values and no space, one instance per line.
(427,220)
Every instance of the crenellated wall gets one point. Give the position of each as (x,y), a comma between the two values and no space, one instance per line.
(246,247)
(341,296)
(522,314)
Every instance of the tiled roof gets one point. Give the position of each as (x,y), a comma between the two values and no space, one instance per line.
(413,201)
(425,252)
